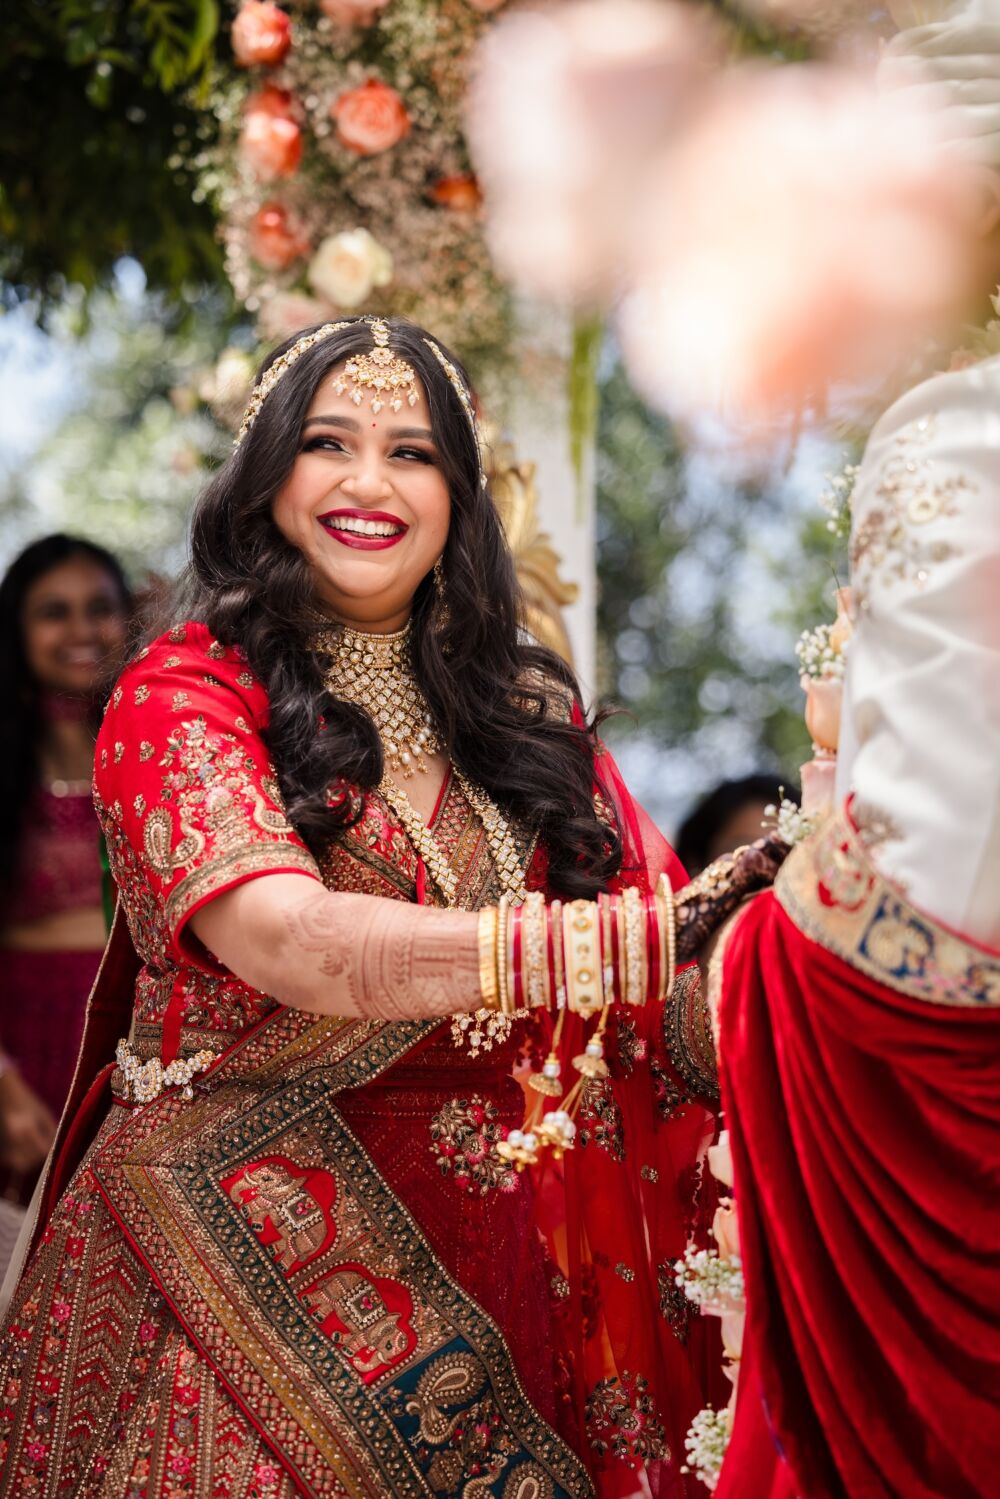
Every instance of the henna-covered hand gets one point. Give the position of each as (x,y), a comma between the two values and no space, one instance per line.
(705,903)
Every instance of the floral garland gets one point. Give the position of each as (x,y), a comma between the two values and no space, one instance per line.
(341,173)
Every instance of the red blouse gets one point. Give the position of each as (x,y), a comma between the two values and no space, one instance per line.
(187,796)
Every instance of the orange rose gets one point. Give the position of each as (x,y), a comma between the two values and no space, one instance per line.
(261,34)
(370,118)
(280,103)
(276,237)
(461,193)
(352,12)
(271,145)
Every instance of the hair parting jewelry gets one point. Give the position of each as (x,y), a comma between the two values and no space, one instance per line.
(461,390)
(276,371)
(390,379)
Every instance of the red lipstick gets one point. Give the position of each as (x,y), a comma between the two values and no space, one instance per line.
(363,540)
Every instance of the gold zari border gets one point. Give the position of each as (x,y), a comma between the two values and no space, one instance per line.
(832,891)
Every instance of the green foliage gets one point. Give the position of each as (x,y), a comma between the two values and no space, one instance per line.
(95,96)
(705,583)
(125,465)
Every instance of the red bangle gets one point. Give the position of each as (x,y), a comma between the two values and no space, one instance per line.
(518,977)
(652,947)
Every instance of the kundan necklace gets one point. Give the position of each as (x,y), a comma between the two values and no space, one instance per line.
(376,672)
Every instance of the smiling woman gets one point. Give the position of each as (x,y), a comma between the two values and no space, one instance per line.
(345,799)
(63,608)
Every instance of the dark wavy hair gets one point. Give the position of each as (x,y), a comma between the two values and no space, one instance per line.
(21,722)
(499,699)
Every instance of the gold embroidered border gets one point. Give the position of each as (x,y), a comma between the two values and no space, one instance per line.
(835,895)
(265,857)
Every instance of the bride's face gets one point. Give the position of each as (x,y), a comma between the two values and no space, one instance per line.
(367,504)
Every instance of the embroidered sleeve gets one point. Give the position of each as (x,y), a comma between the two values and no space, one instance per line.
(184,783)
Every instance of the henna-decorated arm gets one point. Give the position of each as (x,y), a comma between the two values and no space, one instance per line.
(712,896)
(335,953)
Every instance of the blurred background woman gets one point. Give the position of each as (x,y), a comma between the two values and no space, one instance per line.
(64,605)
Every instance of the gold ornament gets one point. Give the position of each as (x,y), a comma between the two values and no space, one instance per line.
(391,381)
(375,672)
(277,370)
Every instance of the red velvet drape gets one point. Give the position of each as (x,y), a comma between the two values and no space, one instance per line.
(866,1145)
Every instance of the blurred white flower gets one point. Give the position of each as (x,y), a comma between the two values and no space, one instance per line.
(566,107)
(348,266)
(226,388)
(802,232)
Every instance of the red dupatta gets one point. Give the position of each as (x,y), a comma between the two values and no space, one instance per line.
(865,1124)
(616,1212)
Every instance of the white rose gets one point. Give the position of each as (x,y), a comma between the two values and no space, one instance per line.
(347,266)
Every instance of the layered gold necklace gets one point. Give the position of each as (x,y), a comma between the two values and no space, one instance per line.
(375,672)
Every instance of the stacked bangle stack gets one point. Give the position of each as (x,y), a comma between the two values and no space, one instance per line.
(580,956)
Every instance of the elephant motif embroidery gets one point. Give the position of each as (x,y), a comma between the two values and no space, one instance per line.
(368,1316)
(288,1207)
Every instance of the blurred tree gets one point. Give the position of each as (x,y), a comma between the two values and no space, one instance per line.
(706,580)
(99,130)
(126,462)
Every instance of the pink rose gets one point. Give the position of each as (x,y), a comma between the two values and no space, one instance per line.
(287,313)
(370,118)
(280,103)
(261,34)
(271,146)
(276,237)
(352,12)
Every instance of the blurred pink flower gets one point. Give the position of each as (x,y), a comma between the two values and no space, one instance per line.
(802,232)
(281,103)
(352,12)
(261,34)
(271,145)
(289,312)
(370,118)
(277,238)
(566,108)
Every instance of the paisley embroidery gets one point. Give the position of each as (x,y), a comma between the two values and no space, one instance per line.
(157,838)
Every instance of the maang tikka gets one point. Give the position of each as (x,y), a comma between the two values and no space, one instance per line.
(389,378)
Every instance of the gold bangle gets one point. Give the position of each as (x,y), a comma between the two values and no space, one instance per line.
(584,990)
(664,892)
(503,921)
(487,935)
(558,980)
(534,953)
(633,915)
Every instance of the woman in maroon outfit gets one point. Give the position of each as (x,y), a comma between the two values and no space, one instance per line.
(63,607)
